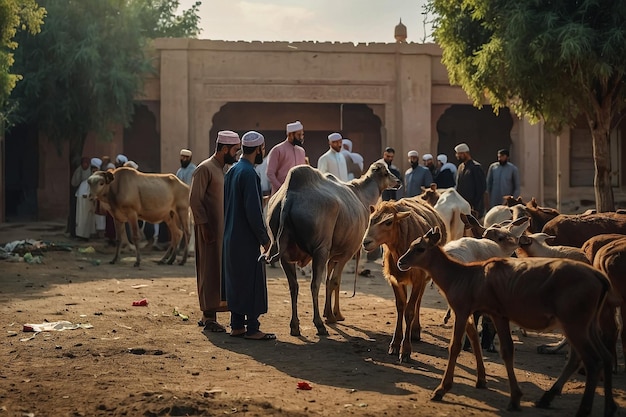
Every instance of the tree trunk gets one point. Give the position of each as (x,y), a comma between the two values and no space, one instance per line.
(600,131)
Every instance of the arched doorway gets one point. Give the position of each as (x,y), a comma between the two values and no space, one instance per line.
(483,130)
(354,121)
(142,142)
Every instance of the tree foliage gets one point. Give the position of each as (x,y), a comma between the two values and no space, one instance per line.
(14,15)
(85,69)
(546,60)
(160,19)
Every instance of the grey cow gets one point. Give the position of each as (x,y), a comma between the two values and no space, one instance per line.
(315,217)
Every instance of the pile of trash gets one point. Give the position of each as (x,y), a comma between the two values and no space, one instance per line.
(30,250)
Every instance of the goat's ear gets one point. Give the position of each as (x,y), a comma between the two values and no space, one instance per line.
(524,240)
(108,177)
(533,203)
(372,209)
(520,221)
(403,215)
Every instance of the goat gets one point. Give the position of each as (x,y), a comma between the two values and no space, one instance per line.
(536,293)
(535,245)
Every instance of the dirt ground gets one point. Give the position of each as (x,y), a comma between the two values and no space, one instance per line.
(146,361)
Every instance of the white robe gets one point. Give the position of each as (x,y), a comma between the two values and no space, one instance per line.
(85,217)
(334,163)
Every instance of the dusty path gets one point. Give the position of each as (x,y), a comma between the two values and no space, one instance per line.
(145,361)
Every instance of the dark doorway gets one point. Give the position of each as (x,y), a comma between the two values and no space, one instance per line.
(354,121)
(21,173)
(142,142)
(483,131)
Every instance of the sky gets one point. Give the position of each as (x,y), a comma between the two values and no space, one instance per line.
(357,21)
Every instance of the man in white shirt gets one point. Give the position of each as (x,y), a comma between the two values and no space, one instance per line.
(333,161)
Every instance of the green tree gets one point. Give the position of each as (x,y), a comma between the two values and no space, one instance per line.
(161,19)
(85,69)
(549,60)
(14,15)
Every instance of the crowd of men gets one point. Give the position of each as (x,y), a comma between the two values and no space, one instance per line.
(227,195)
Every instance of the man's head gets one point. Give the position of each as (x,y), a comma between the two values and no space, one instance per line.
(295,133)
(462,152)
(95,163)
(442,159)
(347,144)
(388,155)
(185,158)
(227,146)
(334,141)
(503,156)
(428,161)
(84,162)
(253,145)
(413,158)
(120,160)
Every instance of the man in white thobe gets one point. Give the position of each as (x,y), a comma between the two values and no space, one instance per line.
(333,161)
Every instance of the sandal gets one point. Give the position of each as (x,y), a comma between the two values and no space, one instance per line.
(213,327)
(238,333)
(261,336)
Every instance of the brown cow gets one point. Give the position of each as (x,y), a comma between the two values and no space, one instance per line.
(536,293)
(131,195)
(575,229)
(395,224)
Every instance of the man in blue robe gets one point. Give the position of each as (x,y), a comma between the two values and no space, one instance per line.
(244,234)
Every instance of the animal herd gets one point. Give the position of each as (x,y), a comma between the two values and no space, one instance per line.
(567,272)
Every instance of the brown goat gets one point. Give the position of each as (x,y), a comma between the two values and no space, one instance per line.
(539,216)
(395,224)
(575,230)
(536,293)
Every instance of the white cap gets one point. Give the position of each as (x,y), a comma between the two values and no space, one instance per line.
(412,153)
(427,156)
(347,143)
(252,139)
(442,158)
(294,127)
(96,162)
(461,147)
(121,159)
(185,152)
(333,137)
(131,164)
(228,137)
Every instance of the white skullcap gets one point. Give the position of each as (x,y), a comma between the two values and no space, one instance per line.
(412,153)
(227,137)
(121,159)
(427,156)
(185,152)
(442,158)
(294,127)
(131,164)
(347,143)
(334,137)
(252,139)
(461,147)
(96,162)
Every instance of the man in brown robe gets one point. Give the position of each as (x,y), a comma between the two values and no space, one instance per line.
(206,200)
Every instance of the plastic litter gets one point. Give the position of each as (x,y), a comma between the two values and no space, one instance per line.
(140,303)
(175,312)
(54,326)
(88,249)
(29,258)
(303,385)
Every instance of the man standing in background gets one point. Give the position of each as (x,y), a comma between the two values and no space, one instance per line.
(416,177)
(470,180)
(286,155)
(333,161)
(502,179)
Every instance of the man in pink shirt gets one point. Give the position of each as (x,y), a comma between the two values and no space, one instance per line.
(286,155)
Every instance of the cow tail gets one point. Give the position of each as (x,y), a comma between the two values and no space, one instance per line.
(284,212)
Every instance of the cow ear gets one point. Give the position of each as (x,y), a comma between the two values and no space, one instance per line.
(433,186)
(108,177)
(403,215)
(372,209)
(533,203)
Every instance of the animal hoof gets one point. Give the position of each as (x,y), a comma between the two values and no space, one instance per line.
(322,332)
(437,396)
(136,264)
(405,358)
(393,350)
